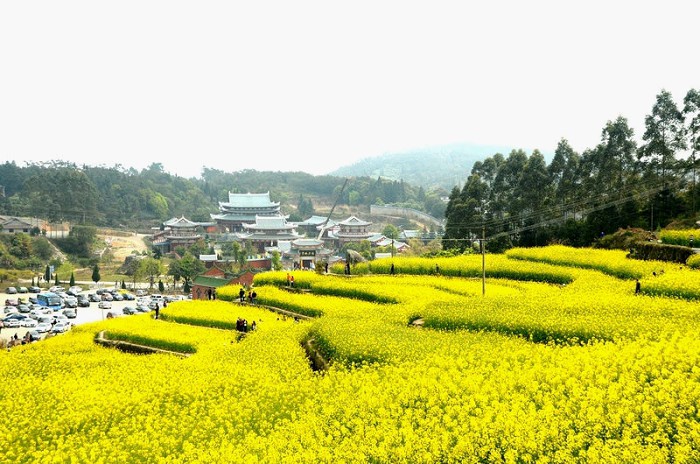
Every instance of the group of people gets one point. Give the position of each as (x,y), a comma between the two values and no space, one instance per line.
(252,296)
(242,325)
(290,280)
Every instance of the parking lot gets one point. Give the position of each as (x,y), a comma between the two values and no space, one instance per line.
(83,315)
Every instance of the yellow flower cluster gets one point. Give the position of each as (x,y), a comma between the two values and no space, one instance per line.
(568,367)
(680,237)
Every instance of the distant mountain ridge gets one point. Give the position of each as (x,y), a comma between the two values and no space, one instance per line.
(443,166)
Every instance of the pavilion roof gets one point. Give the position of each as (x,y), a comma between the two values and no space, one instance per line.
(180,222)
(354,221)
(249,200)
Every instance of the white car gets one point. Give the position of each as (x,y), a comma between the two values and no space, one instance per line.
(11,323)
(75,289)
(60,327)
(29,322)
(105,305)
(43,327)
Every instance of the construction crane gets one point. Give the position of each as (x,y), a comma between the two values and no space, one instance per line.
(340,195)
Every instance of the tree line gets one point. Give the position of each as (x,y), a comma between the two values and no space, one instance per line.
(577,197)
(117,196)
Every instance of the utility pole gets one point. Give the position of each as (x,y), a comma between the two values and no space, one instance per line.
(483,260)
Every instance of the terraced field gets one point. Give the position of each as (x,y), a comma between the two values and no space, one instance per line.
(558,362)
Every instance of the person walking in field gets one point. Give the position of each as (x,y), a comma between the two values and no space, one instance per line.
(637,287)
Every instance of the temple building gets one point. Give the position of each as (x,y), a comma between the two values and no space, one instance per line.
(306,253)
(244,208)
(266,232)
(312,226)
(352,230)
(178,232)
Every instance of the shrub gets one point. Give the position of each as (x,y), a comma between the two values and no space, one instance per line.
(693,261)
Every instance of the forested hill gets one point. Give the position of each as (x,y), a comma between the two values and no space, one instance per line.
(432,167)
(115,196)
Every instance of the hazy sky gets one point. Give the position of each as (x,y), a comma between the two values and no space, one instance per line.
(300,85)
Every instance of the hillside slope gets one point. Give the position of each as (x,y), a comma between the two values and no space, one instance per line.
(431,167)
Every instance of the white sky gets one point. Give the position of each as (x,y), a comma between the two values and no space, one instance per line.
(312,86)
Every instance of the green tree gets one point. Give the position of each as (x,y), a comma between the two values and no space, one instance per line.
(21,245)
(390,231)
(664,135)
(42,248)
(691,112)
(190,267)
(47,274)
(174,271)
(151,268)
(72,279)
(161,287)
(96,274)
(276,261)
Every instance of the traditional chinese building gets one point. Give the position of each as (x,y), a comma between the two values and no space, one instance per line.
(178,232)
(267,231)
(243,208)
(312,226)
(306,253)
(352,230)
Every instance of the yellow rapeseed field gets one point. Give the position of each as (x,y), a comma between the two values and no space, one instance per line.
(559,361)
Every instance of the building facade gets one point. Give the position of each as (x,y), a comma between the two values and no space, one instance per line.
(267,231)
(244,208)
(352,230)
(178,232)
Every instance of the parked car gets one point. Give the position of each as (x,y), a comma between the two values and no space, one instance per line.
(22,290)
(104,305)
(117,297)
(33,299)
(74,290)
(71,302)
(142,308)
(60,317)
(70,313)
(23,308)
(128,296)
(10,309)
(129,310)
(34,289)
(16,316)
(56,289)
(43,327)
(46,319)
(60,327)
(107,297)
(35,313)
(11,323)
(11,290)
(83,301)
(11,302)
(39,307)
(94,297)
(29,322)
(141,292)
